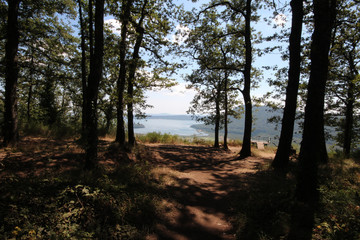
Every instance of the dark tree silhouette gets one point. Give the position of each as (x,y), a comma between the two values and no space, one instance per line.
(287,128)
(312,145)
(83,67)
(246,147)
(132,70)
(96,66)
(120,131)
(11,75)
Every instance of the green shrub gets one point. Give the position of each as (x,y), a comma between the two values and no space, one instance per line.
(56,131)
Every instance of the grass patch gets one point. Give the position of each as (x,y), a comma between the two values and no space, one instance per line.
(157,137)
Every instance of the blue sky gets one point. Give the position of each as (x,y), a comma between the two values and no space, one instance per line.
(177,100)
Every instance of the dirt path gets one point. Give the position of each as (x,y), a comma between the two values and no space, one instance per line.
(201,183)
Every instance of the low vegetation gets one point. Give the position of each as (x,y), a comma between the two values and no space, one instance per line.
(109,203)
(122,200)
(157,137)
(264,209)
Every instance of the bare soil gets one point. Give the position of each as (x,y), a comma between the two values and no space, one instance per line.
(202,183)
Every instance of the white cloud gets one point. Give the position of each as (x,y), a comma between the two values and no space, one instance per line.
(114,25)
(174,101)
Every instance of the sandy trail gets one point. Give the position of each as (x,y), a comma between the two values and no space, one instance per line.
(202,183)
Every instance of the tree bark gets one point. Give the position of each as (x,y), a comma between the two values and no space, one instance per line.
(96,66)
(31,84)
(349,111)
(312,145)
(11,135)
(226,111)
(83,70)
(91,29)
(311,152)
(132,70)
(246,147)
(217,116)
(120,130)
(349,121)
(287,128)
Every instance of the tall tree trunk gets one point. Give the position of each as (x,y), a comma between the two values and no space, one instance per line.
(83,69)
(226,111)
(287,128)
(132,70)
(11,75)
(31,84)
(312,145)
(349,111)
(120,130)
(246,147)
(349,122)
(217,116)
(96,66)
(91,29)
(313,135)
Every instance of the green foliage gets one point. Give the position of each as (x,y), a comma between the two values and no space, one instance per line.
(55,131)
(157,137)
(119,205)
(338,217)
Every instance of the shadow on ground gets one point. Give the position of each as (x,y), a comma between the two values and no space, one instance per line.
(217,197)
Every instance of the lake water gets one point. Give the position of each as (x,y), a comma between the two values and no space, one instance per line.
(170,126)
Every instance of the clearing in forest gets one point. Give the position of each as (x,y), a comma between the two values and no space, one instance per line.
(184,192)
(202,185)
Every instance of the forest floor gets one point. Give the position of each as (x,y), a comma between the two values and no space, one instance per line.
(202,183)
(163,191)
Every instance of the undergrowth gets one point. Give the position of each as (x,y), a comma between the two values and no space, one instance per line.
(157,137)
(339,213)
(118,205)
(264,208)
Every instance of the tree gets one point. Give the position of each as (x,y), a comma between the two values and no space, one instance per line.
(96,66)
(209,101)
(12,43)
(343,89)
(146,26)
(125,17)
(246,147)
(245,10)
(221,47)
(311,152)
(83,67)
(287,128)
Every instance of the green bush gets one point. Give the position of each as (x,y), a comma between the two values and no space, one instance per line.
(56,131)
(157,137)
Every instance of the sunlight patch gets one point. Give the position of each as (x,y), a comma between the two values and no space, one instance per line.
(280,20)
(114,25)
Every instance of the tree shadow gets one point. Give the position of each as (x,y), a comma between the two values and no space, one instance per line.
(258,203)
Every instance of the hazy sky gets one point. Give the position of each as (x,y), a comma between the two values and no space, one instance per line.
(177,100)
